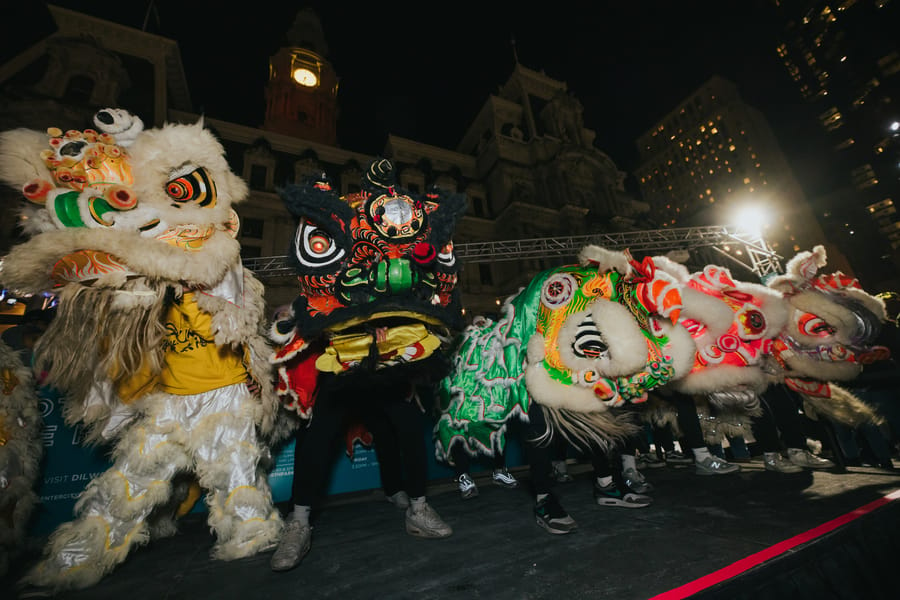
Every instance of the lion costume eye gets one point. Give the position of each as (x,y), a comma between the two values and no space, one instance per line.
(752,323)
(315,247)
(815,326)
(195,187)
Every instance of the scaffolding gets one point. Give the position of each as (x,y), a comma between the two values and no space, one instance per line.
(746,248)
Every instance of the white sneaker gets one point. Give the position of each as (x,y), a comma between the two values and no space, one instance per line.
(504,478)
(805,458)
(425,522)
(467,487)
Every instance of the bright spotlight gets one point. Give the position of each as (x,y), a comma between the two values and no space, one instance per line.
(752,218)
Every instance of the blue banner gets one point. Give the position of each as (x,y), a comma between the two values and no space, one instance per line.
(68,466)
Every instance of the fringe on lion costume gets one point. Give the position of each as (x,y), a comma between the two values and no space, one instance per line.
(159,340)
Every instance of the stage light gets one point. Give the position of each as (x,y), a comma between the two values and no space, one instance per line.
(752,218)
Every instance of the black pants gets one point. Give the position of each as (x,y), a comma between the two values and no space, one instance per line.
(396,426)
(539,455)
(688,421)
(780,415)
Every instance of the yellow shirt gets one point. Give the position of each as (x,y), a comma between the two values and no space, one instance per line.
(194,364)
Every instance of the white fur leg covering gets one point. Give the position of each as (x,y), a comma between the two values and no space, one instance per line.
(113,509)
(228,457)
(78,554)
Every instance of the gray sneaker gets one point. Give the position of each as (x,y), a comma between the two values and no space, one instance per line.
(400,499)
(775,462)
(635,481)
(677,458)
(423,521)
(294,544)
(805,458)
(713,465)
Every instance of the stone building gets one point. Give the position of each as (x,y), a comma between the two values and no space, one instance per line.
(527,164)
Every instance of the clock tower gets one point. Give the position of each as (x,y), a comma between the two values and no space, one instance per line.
(301,95)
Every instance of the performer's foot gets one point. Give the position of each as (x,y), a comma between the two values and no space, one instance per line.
(550,515)
(423,521)
(635,481)
(677,458)
(400,499)
(504,478)
(713,465)
(467,487)
(613,495)
(294,545)
(775,462)
(560,472)
(805,458)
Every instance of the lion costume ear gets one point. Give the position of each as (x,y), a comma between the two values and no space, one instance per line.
(20,157)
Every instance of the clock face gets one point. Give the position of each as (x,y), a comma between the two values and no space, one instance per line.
(305,77)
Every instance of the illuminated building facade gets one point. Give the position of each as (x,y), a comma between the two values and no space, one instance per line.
(844,57)
(714,156)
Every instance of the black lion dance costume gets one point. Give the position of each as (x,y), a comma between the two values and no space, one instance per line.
(378,306)
(159,339)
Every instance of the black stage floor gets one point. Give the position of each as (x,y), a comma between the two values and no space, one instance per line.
(756,534)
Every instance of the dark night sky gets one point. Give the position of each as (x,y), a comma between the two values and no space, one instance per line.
(425,71)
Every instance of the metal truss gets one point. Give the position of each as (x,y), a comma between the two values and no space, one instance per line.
(755,254)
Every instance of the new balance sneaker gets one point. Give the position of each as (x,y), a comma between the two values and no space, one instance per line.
(400,499)
(467,487)
(561,472)
(713,465)
(649,460)
(423,521)
(677,458)
(550,515)
(775,462)
(805,458)
(635,481)
(613,495)
(294,545)
(504,478)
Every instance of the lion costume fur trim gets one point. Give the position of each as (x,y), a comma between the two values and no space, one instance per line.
(20,428)
(842,407)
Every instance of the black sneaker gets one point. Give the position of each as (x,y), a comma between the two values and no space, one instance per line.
(614,495)
(551,516)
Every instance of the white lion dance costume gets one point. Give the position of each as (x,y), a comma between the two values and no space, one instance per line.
(20,452)
(159,339)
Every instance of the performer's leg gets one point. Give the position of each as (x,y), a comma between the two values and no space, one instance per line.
(112,511)
(387,449)
(421,519)
(228,456)
(538,455)
(312,462)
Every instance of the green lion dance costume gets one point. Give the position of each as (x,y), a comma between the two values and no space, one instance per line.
(581,340)
(159,339)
